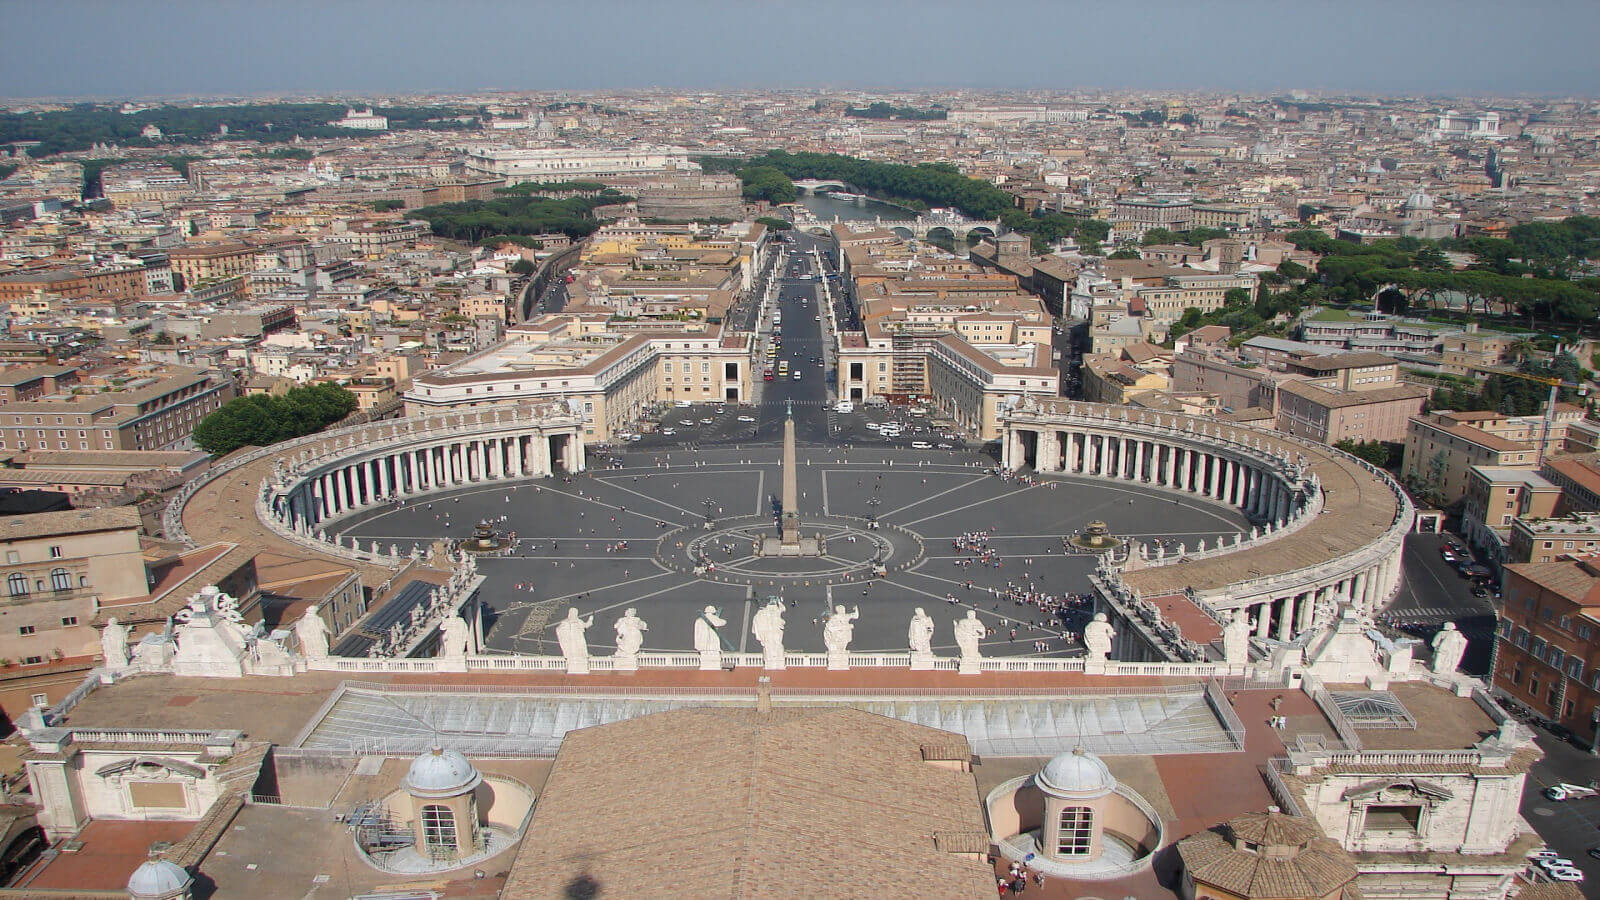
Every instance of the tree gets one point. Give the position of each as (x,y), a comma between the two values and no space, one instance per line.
(388,205)
(1125,253)
(1378,453)
(774,223)
(1293,270)
(524,267)
(261,419)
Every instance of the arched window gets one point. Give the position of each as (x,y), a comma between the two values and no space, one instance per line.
(60,580)
(1077,831)
(17,584)
(439,827)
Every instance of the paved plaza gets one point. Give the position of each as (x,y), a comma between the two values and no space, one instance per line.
(622,536)
(631,532)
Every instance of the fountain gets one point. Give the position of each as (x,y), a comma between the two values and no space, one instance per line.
(1096,537)
(485,539)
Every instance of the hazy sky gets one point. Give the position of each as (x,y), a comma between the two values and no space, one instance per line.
(209,47)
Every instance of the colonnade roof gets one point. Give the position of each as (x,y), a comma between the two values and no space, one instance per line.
(223,509)
(1358,508)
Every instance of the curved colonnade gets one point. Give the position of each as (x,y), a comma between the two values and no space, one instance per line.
(308,483)
(1331,526)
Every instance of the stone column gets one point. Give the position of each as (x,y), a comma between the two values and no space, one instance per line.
(579,451)
(1263,619)
(1307,606)
(1227,481)
(541,454)
(516,457)
(1286,619)
(1168,451)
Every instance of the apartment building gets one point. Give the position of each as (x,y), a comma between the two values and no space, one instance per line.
(198,264)
(1442,447)
(1578,476)
(1535,538)
(1309,410)
(77,282)
(150,412)
(60,567)
(1501,503)
(1545,651)
(568,163)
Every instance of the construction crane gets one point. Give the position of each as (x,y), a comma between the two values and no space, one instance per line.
(1556,384)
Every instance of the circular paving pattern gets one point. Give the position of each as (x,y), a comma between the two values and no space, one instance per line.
(738,551)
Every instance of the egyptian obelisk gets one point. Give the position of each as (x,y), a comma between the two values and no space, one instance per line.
(789,538)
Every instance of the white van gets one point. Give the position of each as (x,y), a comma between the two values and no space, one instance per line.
(844,406)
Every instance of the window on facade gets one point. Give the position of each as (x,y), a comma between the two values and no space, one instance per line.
(17,584)
(26,629)
(60,580)
(1077,831)
(13,557)
(439,827)
(1392,819)
(69,621)
(32,660)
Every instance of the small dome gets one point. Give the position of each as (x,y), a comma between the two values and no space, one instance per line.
(1419,200)
(1079,775)
(158,878)
(441,773)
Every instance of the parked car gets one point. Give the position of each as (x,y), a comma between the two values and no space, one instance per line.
(1568,874)
(1565,791)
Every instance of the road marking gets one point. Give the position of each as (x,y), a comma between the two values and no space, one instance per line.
(968,483)
(960,508)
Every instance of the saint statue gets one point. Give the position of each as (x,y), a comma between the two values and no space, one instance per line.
(630,633)
(767,626)
(838,630)
(1236,639)
(569,634)
(705,631)
(1448,647)
(114,644)
(969,636)
(920,634)
(455,638)
(1097,636)
(313,634)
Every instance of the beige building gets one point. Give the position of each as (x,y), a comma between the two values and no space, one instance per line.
(609,371)
(1308,410)
(1498,503)
(155,412)
(198,264)
(59,568)
(1442,447)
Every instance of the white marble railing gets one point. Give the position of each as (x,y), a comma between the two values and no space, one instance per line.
(689,660)
(140,736)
